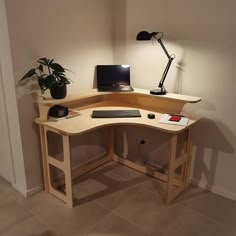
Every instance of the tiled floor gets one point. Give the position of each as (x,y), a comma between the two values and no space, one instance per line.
(115,200)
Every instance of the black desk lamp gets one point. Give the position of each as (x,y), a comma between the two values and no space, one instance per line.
(144,35)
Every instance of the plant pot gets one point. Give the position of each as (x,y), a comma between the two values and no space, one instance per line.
(58,91)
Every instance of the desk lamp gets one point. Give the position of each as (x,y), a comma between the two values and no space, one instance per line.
(144,35)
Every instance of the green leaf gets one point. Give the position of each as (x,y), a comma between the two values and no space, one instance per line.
(64,80)
(67,81)
(41,84)
(68,70)
(58,74)
(56,67)
(40,68)
(44,61)
(50,62)
(29,74)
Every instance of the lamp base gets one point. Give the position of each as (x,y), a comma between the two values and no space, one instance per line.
(158,91)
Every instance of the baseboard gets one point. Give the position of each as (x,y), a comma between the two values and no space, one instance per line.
(28,192)
(21,190)
(217,190)
(33,191)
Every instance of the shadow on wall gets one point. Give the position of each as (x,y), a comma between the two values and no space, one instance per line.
(210,135)
(204,108)
(179,75)
(27,87)
(153,151)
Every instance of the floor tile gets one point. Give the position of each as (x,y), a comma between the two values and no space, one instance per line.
(114,225)
(123,174)
(89,188)
(39,199)
(30,227)
(190,222)
(212,205)
(155,186)
(116,197)
(7,193)
(143,210)
(106,188)
(12,213)
(68,221)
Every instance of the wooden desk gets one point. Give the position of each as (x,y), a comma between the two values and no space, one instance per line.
(139,98)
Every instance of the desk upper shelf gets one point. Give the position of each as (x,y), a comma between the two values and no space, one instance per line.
(136,92)
(139,98)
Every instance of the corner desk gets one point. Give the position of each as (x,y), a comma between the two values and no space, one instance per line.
(138,99)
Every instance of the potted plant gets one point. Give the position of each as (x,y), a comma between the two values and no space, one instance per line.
(50,76)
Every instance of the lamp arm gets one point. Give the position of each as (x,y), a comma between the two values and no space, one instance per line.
(168,64)
(163,47)
(165,72)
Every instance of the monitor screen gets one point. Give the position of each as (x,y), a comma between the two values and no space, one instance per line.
(112,75)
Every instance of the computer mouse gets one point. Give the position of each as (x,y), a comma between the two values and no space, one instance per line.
(151,116)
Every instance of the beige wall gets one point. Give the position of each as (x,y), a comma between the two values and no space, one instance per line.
(76,33)
(5,147)
(11,156)
(201,34)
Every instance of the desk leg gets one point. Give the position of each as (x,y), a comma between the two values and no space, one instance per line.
(188,158)
(68,177)
(43,140)
(64,166)
(183,161)
(171,170)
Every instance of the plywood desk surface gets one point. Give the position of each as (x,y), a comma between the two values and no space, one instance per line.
(84,122)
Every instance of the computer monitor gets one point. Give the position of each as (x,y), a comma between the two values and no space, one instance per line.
(111,76)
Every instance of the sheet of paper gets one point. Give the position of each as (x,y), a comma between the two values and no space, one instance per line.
(165,118)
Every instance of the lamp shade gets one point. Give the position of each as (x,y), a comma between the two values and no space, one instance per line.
(144,35)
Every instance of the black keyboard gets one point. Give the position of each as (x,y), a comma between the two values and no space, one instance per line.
(116,113)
